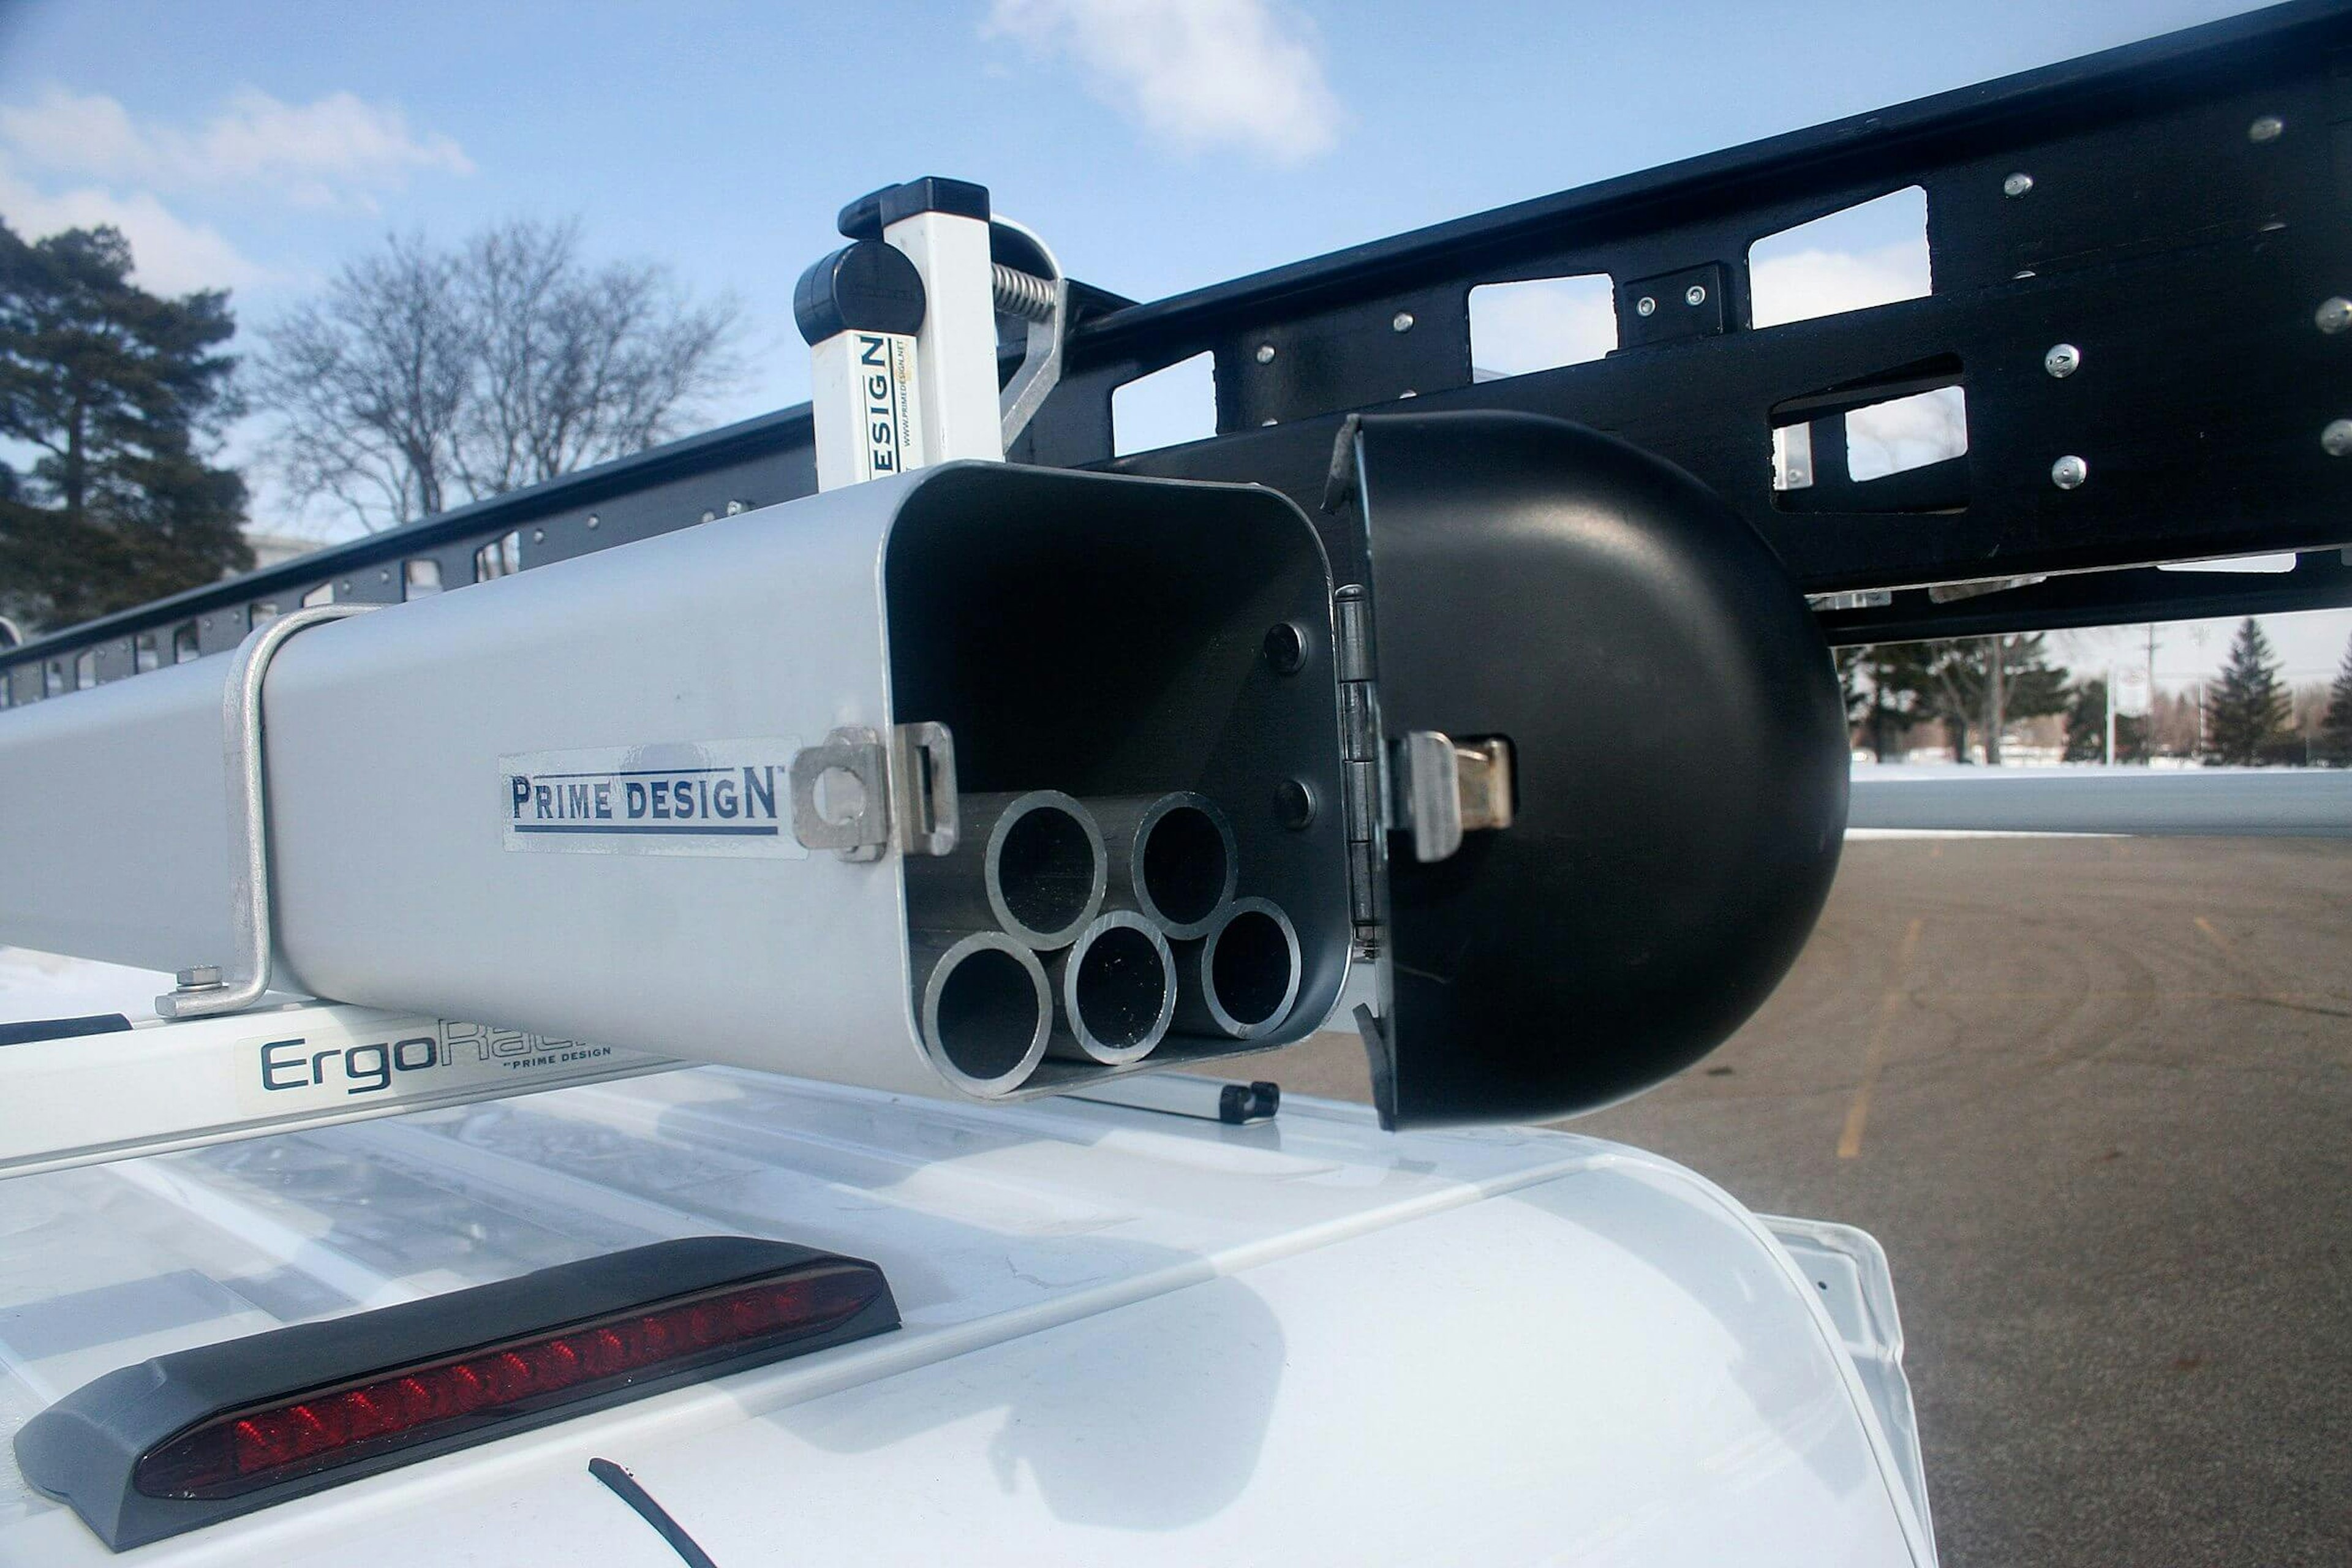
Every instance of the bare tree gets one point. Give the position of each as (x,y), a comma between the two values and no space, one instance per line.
(425,378)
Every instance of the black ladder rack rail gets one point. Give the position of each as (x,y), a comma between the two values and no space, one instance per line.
(2189,215)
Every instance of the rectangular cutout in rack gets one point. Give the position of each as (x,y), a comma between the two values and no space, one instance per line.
(1540,323)
(1873,253)
(1169,407)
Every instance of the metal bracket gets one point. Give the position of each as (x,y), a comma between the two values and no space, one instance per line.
(911,783)
(1445,788)
(206,991)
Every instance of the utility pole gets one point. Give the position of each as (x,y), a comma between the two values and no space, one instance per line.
(2111,715)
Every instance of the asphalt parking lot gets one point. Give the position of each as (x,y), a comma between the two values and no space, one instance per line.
(2095,1096)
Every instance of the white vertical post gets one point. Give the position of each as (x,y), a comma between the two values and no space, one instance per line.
(957,346)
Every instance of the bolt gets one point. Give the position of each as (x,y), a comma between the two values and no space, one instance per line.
(2062,360)
(384,576)
(2069,472)
(1294,805)
(1695,295)
(2017,184)
(2336,439)
(2267,128)
(1286,649)
(1265,354)
(1263,423)
(594,521)
(2334,314)
(200,977)
(1401,322)
(737,507)
(1408,392)
(1645,306)
(539,536)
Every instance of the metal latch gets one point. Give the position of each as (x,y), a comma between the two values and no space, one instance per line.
(852,794)
(1446,787)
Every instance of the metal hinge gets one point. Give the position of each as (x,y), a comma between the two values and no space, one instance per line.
(1361,793)
(856,797)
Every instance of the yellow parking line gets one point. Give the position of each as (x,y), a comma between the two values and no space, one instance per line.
(2219,940)
(1874,1054)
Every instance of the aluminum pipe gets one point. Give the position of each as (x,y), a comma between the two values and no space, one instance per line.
(1030,864)
(1242,979)
(1117,986)
(1172,857)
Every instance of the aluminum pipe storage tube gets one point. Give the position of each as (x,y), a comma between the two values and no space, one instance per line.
(1172,857)
(1242,979)
(1117,985)
(986,1007)
(1030,864)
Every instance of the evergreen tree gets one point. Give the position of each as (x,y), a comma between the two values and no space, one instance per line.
(2248,707)
(2336,728)
(1892,681)
(119,393)
(2086,728)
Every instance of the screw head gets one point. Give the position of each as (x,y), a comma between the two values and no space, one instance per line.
(2265,128)
(1645,306)
(539,536)
(2062,360)
(1695,295)
(2069,472)
(1401,322)
(199,977)
(2017,184)
(2334,314)
(1265,354)
(2335,440)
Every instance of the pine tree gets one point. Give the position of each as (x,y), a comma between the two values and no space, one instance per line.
(2336,728)
(2248,707)
(118,392)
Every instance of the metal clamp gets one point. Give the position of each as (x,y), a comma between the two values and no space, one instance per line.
(910,784)
(1447,787)
(206,991)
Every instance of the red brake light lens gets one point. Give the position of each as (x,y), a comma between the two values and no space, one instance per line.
(245,1450)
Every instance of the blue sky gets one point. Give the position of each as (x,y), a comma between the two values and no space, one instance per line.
(1160,145)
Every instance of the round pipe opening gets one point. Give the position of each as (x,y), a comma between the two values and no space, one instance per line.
(1251,971)
(987,1011)
(1119,988)
(1045,872)
(1186,866)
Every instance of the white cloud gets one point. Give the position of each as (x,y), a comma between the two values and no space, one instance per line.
(1804,284)
(332,151)
(172,256)
(1197,74)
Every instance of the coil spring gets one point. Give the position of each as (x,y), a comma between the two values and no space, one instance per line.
(1022,294)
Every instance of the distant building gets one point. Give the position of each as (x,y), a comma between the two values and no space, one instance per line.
(270,549)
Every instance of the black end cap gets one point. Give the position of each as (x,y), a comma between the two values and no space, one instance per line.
(63,1028)
(867,287)
(870,214)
